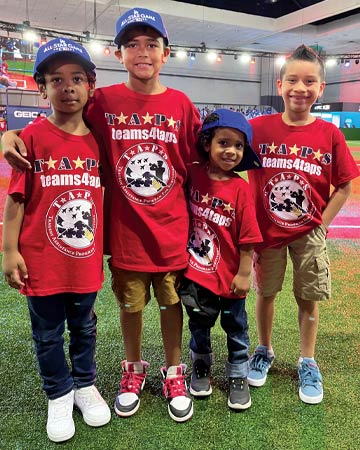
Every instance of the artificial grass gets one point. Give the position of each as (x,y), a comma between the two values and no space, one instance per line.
(277,418)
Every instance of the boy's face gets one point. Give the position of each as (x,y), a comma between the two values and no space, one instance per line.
(226,149)
(301,86)
(66,86)
(143,53)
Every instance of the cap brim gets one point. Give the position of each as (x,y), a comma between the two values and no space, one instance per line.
(87,65)
(250,161)
(119,37)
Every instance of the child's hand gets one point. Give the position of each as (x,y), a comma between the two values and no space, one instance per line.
(240,285)
(14,269)
(14,151)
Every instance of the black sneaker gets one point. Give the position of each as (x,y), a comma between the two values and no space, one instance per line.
(200,379)
(239,393)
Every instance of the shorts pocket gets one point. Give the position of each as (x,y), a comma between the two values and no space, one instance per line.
(323,271)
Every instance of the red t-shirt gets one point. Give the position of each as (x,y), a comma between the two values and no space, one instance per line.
(222,218)
(148,141)
(61,235)
(300,166)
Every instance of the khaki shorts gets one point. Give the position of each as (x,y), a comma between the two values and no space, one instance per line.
(311,268)
(132,289)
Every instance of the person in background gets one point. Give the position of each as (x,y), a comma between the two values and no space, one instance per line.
(52,237)
(305,180)
(222,236)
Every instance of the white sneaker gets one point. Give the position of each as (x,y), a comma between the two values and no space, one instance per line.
(94,409)
(60,425)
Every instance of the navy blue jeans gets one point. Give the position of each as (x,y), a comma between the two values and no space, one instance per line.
(48,315)
(203,308)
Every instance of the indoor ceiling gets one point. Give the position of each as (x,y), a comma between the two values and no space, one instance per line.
(274,26)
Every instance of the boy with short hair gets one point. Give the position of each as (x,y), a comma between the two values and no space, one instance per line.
(52,237)
(150,134)
(305,180)
(223,232)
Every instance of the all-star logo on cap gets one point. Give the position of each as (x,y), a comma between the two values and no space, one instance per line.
(136,17)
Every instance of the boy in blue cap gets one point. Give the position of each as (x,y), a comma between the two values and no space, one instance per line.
(223,232)
(53,220)
(149,132)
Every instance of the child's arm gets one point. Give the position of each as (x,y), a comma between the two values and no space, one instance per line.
(14,150)
(335,203)
(240,284)
(13,264)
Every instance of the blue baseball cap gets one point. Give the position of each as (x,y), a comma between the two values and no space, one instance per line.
(226,118)
(140,17)
(60,47)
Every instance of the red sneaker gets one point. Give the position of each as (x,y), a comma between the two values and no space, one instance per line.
(175,390)
(127,401)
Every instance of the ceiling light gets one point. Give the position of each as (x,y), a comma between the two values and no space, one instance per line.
(212,56)
(280,60)
(356,61)
(107,51)
(181,54)
(347,63)
(30,36)
(245,58)
(330,62)
(253,60)
(192,56)
(218,58)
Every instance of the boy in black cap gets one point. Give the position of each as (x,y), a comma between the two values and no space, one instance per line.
(52,237)
(223,232)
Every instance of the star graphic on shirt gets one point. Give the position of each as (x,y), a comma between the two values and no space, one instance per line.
(294,150)
(121,118)
(147,118)
(78,163)
(318,155)
(228,207)
(272,147)
(51,163)
(205,199)
(171,122)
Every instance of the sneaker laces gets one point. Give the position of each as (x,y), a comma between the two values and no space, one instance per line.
(60,407)
(174,387)
(131,382)
(259,362)
(310,376)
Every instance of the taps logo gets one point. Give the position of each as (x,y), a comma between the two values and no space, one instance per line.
(203,247)
(144,173)
(71,223)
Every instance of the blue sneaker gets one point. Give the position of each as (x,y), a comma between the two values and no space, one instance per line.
(260,363)
(310,381)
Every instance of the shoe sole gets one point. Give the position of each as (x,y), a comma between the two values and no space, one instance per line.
(239,406)
(126,413)
(310,400)
(61,438)
(200,393)
(256,382)
(181,419)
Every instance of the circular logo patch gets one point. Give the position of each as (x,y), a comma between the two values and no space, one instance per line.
(203,246)
(144,173)
(71,223)
(287,199)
